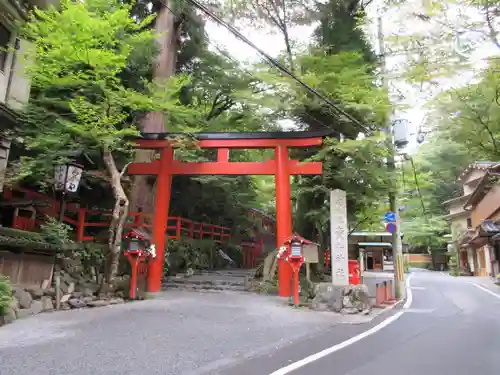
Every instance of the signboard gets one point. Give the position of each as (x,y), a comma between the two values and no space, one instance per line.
(390,217)
(339,234)
(391,227)
(310,253)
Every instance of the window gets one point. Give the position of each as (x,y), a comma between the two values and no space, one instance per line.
(469,223)
(5,36)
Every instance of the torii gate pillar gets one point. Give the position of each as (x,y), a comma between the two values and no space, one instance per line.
(283,216)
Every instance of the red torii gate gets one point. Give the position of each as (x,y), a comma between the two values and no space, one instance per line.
(281,167)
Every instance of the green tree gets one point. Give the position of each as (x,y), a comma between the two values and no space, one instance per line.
(344,69)
(77,57)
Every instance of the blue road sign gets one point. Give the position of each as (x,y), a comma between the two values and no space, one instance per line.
(390,217)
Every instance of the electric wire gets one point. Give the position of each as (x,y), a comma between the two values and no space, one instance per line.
(424,211)
(275,63)
(247,71)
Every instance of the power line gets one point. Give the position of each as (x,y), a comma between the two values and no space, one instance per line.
(275,63)
(253,75)
(424,211)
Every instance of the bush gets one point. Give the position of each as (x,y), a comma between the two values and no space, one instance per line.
(55,232)
(5,294)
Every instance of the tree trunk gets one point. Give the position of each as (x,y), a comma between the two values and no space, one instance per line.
(142,193)
(118,218)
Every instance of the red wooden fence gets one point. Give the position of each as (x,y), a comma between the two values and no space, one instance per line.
(80,218)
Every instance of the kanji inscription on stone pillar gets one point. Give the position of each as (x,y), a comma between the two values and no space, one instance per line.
(338,233)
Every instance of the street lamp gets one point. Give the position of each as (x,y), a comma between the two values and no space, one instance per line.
(66,180)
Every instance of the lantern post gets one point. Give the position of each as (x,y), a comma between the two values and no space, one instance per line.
(66,180)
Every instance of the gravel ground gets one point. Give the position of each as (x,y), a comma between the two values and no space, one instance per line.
(177,333)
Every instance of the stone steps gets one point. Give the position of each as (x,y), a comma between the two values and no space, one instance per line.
(216,280)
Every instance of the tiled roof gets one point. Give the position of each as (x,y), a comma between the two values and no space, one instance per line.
(478,165)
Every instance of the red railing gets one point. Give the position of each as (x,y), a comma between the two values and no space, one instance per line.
(81,219)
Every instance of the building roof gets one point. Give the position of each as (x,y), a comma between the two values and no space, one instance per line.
(370,234)
(457,199)
(240,135)
(477,165)
(487,229)
(483,187)
(375,244)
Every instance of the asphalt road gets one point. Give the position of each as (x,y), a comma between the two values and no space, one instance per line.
(451,325)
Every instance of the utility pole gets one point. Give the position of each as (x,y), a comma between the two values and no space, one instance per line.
(397,246)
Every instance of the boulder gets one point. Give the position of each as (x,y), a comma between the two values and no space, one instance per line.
(9,315)
(88,292)
(24,298)
(23,313)
(35,291)
(65,298)
(47,303)
(77,294)
(359,297)
(76,303)
(66,278)
(98,303)
(14,304)
(350,299)
(50,292)
(328,297)
(65,306)
(36,307)
(68,288)
(88,299)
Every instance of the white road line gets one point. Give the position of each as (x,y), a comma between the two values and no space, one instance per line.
(419,311)
(487,290)
(335,348)
(417,288)
(409,295)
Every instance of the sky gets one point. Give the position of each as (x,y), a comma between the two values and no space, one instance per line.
(394,20)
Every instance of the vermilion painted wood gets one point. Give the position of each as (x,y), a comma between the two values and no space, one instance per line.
(269,167)
(235,143)
(223,155)
(162,205)
(283,216)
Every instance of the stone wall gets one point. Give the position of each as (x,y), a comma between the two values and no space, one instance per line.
(77,290)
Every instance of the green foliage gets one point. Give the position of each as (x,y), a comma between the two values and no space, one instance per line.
(341,68)
(76,60)
(55,232)
(5,294)
(470,116)
(92,255)
(266,287)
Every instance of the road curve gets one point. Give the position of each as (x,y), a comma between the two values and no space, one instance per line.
(451,326)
